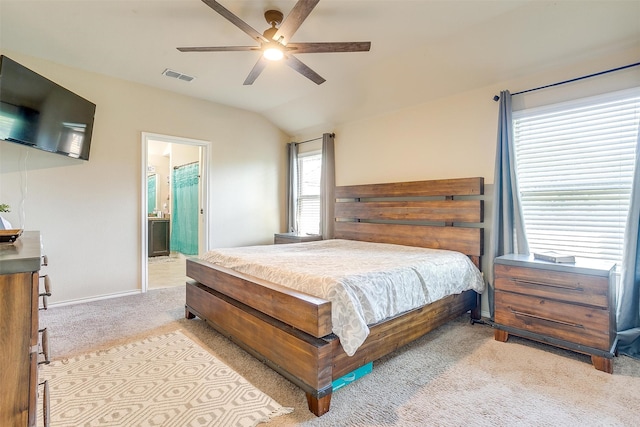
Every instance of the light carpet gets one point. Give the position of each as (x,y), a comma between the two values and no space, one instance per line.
(456,375)
(165,380)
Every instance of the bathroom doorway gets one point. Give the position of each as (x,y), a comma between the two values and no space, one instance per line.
(174,207)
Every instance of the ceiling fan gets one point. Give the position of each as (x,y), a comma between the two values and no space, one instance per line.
(274,42)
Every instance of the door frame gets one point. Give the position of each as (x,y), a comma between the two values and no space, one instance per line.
(203,235)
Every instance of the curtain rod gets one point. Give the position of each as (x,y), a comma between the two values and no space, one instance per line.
(496,98)
(186,164)
(314,139)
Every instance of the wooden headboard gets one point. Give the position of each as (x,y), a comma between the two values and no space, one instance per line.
(439,214)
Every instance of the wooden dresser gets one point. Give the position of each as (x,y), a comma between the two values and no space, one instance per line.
(567,305)
(280,238)
(20,350)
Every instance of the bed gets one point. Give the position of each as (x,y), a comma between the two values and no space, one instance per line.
(292,330)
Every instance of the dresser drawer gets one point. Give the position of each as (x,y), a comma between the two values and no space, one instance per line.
(569,287)
(588,326)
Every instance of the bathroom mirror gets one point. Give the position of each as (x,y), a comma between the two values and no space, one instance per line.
(152,193)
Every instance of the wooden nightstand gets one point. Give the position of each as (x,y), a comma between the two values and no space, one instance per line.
(567,305)
(280,238)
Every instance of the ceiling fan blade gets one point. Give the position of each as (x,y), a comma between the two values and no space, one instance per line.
(218,49)
(235,20)
(300,67)
(324,47)
(256,70)
(294,19)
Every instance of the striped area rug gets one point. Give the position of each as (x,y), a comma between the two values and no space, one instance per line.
(166,380)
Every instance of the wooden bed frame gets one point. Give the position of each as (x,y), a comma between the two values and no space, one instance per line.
(290,331)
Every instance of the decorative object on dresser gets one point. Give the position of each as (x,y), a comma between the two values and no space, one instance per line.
(566,305)
(552,256)
(291,331)
(280,238)
(4,224)
(10,236)
(21,354)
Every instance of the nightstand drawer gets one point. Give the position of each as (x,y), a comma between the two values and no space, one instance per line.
(588,326)
(569,287)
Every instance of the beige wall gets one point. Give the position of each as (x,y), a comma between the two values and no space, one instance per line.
(89,212)
(456,136)
(182,154)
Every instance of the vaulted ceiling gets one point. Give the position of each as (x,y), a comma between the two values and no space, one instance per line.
(420,49)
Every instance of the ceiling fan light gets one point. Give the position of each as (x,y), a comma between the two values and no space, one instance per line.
(273,54)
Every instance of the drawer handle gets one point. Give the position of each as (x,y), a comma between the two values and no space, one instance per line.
(45,260)
(45,347)
(45,304)
(549,285)
(47,291)
(45,403)
(47,285)
(546,319)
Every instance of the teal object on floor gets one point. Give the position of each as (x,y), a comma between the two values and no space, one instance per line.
(352,376)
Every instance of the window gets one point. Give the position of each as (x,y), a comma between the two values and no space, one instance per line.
(575,168)
(308,209)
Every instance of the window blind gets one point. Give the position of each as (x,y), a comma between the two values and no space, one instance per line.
(308,209)
(575,168)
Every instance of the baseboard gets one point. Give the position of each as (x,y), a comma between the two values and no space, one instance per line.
(92,299)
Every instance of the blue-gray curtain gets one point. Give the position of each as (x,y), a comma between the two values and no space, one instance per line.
(292,187)
(184,212)
(628,304)
(507,225)
(327,185)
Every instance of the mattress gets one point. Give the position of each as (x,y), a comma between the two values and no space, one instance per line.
(365,282)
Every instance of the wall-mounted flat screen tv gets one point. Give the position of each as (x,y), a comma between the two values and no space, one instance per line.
(39,113)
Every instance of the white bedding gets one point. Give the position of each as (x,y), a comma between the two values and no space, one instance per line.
(365,282)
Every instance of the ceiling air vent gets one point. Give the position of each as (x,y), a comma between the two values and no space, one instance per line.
(176,75)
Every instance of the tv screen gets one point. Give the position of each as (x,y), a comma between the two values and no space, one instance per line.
(39,113)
